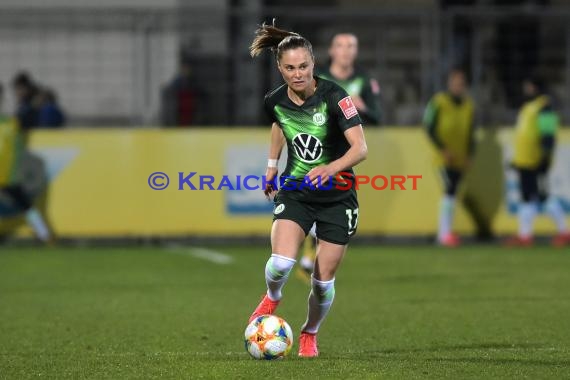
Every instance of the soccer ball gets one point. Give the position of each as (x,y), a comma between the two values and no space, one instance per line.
(268,337)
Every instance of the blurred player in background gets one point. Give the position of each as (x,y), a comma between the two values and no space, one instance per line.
(535,140)
(449,123)
(365,93)
(323,132)
(364,90)
(13,141)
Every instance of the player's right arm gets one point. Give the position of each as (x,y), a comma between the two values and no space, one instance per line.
(430,117)
(275,149)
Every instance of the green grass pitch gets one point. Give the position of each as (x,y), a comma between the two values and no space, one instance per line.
(475,312)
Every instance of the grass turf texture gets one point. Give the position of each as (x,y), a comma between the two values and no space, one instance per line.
(476,312)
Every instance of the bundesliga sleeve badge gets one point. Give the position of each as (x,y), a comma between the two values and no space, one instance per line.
(347,107)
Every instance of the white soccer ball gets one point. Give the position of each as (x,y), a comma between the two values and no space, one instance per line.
(268,337)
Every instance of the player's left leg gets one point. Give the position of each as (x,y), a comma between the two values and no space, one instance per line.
(321,297)
(451,178)
(33,216)
(529,189)
(336,223)
(554,209)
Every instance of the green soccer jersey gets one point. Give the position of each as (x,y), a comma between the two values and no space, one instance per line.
(314,133)
(362,85)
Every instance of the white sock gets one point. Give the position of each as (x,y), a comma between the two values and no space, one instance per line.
(554,209)
(277,272)
(446,215)
(320,301)
(36,220)
(527,211)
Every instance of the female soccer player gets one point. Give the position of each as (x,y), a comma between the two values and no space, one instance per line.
(322,129)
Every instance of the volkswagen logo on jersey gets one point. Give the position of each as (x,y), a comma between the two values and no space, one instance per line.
(308,148)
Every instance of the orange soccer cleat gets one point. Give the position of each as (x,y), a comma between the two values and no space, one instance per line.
(265,307)
(450,240)
(308,345)
(519,241)
(561,240)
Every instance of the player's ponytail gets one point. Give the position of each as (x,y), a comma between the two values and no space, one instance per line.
(277,40)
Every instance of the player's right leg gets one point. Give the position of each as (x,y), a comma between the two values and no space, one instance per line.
(528,183)
(33,216)
(291,223)
(451,178)
(554,209)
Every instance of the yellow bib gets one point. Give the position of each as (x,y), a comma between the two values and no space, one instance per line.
(11,150)
(528,151)
(453,127)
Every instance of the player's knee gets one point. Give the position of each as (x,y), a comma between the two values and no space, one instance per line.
(451,190)
(529,196)
(278,266)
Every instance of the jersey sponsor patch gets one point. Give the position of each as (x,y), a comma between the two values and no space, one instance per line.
(347,107)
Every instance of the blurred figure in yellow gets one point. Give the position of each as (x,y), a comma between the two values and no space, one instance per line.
(449,123)
(535,140)
(13,140)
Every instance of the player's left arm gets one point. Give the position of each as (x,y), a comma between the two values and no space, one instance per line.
(548,122)
(349,122)
(357,153)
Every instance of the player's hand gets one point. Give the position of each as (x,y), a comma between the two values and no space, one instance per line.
(270,177)
(320,175)
(359,103)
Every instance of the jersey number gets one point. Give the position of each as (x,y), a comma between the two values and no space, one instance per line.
(352,220)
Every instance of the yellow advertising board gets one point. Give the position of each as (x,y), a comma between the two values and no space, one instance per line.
(101,184)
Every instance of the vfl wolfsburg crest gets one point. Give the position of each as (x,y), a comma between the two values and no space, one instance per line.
(319,118)
(307,147)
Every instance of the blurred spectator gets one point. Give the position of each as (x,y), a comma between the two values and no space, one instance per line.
(364,90)
(25,90)
(50,114)
(180,98)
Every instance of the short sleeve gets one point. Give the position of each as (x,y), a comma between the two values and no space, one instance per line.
(548,122)
(268,107)
(430,113)
(344,110)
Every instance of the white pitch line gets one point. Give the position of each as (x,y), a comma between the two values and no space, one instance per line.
(211,255)
(204,254)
